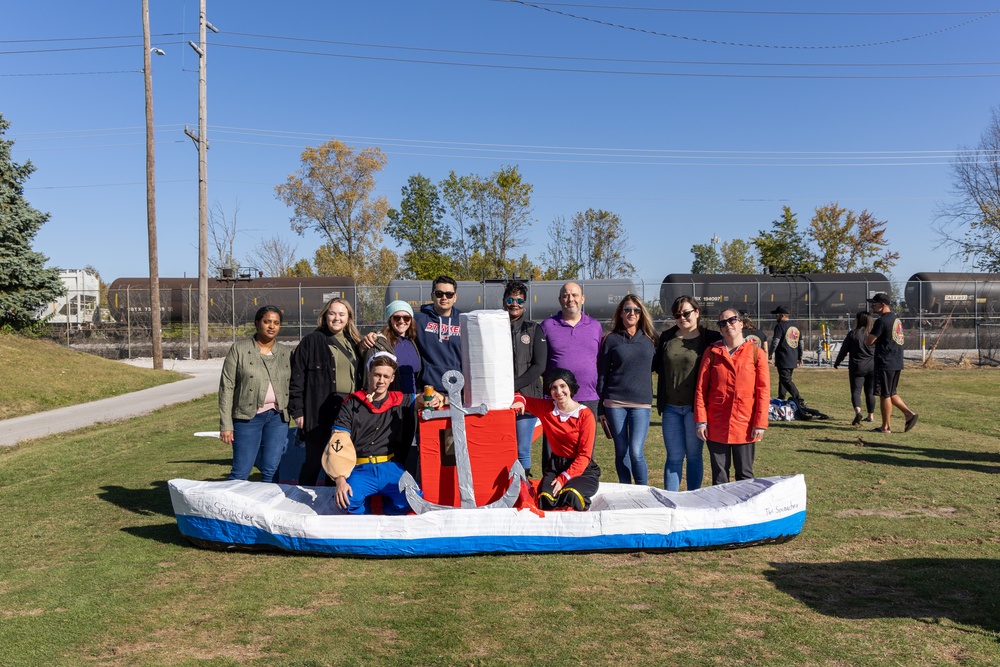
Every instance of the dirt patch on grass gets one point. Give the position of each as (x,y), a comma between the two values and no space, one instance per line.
(323,600)
(909,513)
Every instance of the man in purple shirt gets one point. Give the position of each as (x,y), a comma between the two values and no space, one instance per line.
(574,340)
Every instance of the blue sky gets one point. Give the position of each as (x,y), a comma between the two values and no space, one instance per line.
(685,123)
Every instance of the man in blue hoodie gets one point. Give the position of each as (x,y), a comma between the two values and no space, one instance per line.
(439,333)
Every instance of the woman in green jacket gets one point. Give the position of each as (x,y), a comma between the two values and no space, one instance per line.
(253,398)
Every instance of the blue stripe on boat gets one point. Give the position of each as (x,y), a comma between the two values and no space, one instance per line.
(225,532)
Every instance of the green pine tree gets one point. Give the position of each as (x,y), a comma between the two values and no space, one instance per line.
(25,283)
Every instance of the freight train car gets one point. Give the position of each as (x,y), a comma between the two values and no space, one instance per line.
(230,301)
(806,296)
(601,296)
(957,294)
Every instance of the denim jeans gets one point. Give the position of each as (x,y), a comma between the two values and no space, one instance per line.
(372,479)
(628,429)
(681,441)
(525,429)
(265,434)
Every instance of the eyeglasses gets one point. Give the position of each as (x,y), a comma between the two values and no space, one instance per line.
(401,318)
(635,311)
(440,294)
(510,301)
(683,314)
(730,321)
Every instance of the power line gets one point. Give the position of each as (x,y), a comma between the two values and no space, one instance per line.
(647,61)
(748,11)
(118,71)
(718,42)
(87,38)
(723,75)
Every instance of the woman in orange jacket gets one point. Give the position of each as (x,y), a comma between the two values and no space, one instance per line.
(731,400)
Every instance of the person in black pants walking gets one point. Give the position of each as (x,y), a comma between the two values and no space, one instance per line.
(786,349)
(861,367)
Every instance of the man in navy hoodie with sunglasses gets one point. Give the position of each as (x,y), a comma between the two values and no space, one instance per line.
(439,333)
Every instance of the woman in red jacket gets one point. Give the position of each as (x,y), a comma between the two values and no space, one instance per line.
(731,400)
(570,477)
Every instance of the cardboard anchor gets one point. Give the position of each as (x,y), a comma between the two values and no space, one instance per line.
(455,383)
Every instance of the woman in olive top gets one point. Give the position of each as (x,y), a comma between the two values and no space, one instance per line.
(678,357)
(324,374)
(253,398)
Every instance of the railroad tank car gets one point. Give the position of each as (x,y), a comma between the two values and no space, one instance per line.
(806,295)
(601,296)
(229,300)
(960,294)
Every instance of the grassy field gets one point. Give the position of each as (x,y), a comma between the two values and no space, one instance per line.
(897,564)
(39,375)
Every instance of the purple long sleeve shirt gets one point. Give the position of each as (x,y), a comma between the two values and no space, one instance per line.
(575,349)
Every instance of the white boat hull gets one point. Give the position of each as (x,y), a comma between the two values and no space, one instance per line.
(251,515)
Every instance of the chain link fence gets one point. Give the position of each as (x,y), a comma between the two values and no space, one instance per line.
(122,329)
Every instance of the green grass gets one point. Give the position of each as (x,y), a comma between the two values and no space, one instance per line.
(39,375)
(897,564)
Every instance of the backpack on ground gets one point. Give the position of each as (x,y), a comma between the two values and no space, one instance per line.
(781,411)
(805,413)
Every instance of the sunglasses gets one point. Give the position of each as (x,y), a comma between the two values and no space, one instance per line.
(510,301)
(731,322)
(401,318)
(440,294)
(683,314)
(631,310)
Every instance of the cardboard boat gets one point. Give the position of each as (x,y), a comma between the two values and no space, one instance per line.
(301,519)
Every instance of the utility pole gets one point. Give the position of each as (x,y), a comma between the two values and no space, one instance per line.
(154,270)
(201,140)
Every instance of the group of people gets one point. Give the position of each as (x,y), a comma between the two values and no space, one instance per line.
(713,387)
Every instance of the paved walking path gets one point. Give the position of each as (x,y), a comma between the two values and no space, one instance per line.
(204,380)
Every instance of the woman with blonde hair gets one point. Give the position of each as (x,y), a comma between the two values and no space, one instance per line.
(324,374)
(624,363)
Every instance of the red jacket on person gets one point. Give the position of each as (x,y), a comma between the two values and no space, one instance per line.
(733,393)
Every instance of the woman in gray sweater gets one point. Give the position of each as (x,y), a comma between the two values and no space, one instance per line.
(253,398)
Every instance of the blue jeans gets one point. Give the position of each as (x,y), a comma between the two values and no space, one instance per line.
(525,429)
(628,429)
(681,440)
(377,479)
(259,441)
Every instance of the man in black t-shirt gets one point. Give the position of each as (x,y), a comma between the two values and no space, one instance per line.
(887,337)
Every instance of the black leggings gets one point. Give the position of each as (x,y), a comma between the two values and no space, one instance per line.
(864,381)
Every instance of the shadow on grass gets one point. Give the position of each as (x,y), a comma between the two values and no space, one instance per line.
(906,457)
(147,502)
(964,590)
(216,462)
(165,533)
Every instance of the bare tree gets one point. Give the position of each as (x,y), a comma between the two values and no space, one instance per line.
(223,231)
(970,224)
(274,256)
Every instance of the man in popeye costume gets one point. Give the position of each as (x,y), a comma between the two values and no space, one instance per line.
(373,418)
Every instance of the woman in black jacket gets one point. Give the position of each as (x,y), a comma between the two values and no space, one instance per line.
(530,352)
(324,373)
(861,367)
